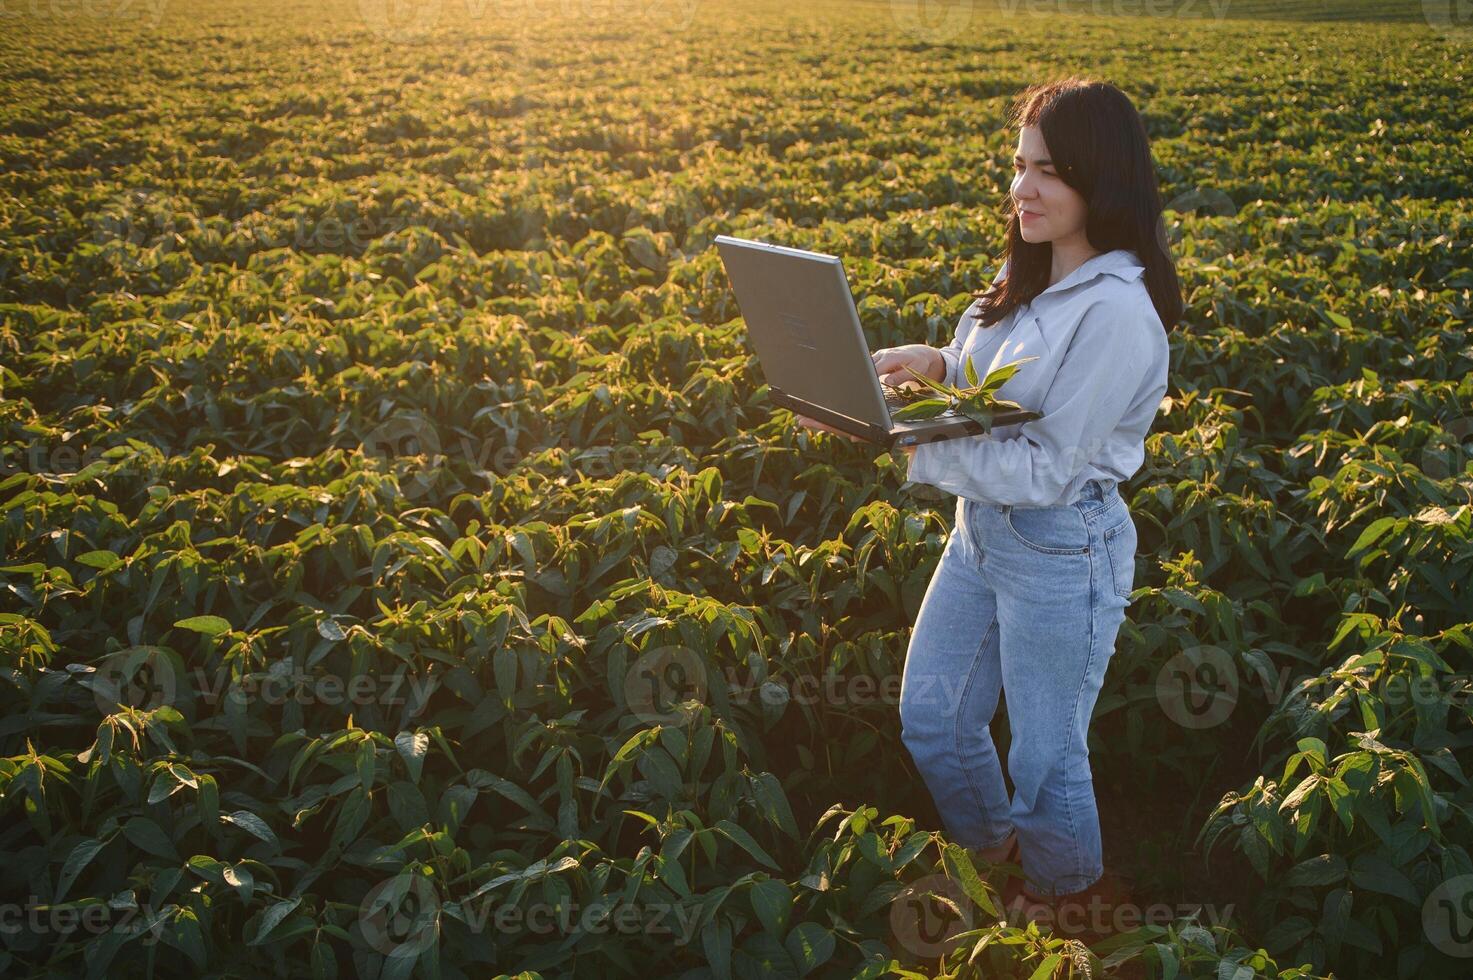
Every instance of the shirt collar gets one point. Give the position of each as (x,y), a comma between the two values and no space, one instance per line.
(1120,262)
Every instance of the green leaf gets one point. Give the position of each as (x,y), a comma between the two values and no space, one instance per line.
(926,408)
(982,416)
(931,383)
(1416,650)
(185,936)
(999,376)
(716,943)
(271,918)
(1316,872)
(1375,873)
(102,560)
(1047,967)
(744,840)
(76,861)
(772,900)
(961,869)
(810,945)
(773,803)
(208,625)
(1375,532)
(251,824)
(1340,801)
(412,747)
(149,836)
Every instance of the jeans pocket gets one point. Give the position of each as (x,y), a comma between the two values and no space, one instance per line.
(1120,543)
(1051,530)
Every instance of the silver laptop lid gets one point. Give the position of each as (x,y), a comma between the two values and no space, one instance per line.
(800,315)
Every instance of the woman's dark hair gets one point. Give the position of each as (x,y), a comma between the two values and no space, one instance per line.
(1098,145)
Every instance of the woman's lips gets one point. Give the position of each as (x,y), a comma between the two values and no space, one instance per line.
(1025,215)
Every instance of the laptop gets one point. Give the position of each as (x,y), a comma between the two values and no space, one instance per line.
(805,329)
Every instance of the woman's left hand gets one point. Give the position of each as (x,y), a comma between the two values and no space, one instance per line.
(809,423)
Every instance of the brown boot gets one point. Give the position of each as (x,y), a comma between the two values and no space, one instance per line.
(1101,910)
(997,864)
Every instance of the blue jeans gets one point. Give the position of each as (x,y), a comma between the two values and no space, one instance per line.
(1026,601)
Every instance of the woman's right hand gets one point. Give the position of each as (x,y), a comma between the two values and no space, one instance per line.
(891,364)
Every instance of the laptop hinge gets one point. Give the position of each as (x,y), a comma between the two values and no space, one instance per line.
(867,430)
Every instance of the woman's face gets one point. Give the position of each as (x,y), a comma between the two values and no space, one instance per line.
(1049,209)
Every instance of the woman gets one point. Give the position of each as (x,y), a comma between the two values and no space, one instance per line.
(1034,580)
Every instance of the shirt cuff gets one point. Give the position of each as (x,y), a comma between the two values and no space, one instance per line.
(949,358)
(923,465)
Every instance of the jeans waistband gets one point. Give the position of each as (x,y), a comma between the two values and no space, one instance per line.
(1096,489)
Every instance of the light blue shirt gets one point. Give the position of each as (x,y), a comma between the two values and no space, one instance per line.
(1098,383)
